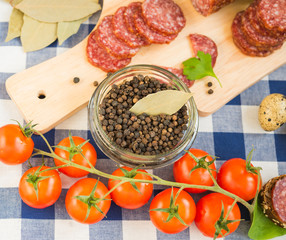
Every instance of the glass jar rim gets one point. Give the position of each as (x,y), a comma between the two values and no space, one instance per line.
(124,156)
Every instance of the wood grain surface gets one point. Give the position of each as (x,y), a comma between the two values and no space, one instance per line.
(54,78)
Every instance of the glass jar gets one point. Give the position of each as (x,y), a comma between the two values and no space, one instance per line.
(123,156)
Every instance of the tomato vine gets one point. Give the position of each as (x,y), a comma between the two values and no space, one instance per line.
(157,181)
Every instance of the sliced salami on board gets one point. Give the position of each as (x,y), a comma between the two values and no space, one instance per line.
(272,14)
(261,28)
(100,58)
(107,39)
(119,37)
(164,16)
(121,31)
(207,7)
(152,35)
(239,40)
(203,43)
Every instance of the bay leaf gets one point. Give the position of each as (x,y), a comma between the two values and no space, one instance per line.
(36,35)
(67,29)
(53,11)
(163,102)
(15,2)
(15,24)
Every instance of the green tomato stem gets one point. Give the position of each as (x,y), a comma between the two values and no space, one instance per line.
(112,189)
(46,141)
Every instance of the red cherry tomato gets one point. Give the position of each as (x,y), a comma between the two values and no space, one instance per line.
(234,177)
(87,150)
(78,209)
(49,189)
(209,210)
(200,176)
(126,195)
(15,147)
(186,210)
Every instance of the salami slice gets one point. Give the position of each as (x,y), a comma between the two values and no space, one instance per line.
(99,57)
(203,43)
(131,10)
(207,7)
(273,200)
(164,16)
(152,35)
(279,199)
(253,36)
(120,30)
(258,26)
(110,42)
(272,13)
(240,41)
(179,73)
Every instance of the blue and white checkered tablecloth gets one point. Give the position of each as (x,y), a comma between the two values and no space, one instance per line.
(228,133)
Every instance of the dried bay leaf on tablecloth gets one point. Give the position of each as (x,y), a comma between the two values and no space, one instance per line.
(67,29)
(15,24)
(36,35)
(163,102)
(58,10)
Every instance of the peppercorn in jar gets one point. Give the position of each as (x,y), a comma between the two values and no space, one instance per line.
(142,134)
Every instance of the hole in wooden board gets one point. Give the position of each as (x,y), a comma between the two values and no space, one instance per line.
(41,95)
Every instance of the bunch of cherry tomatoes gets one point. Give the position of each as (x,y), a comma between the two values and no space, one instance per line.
(88,200)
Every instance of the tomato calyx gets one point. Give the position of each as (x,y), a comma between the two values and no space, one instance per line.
(249,167)
(201,162)
(27,130)
(222,222)
(131,174)
(34,179)
(91,201)
(172,210)
(72,149)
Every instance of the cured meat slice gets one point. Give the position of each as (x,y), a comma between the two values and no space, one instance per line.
(152,35)
(207,7)
(240,41)
(179,73)
(279,199)
(254,37)
(99,57)
(120,30)
(164,16)
(272,13)
(107,39)
(273,200)
(131,10)
(205,44)
(258,26)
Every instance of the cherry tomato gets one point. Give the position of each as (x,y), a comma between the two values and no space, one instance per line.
(15,147)
(78,209)
(186,209)
(87,150)
(126,195)
(49,187)
(234,177)
(209,210)
(200,176)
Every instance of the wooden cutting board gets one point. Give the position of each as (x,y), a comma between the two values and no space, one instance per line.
(47,95)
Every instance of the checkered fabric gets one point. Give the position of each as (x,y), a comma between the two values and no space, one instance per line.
(228,133)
